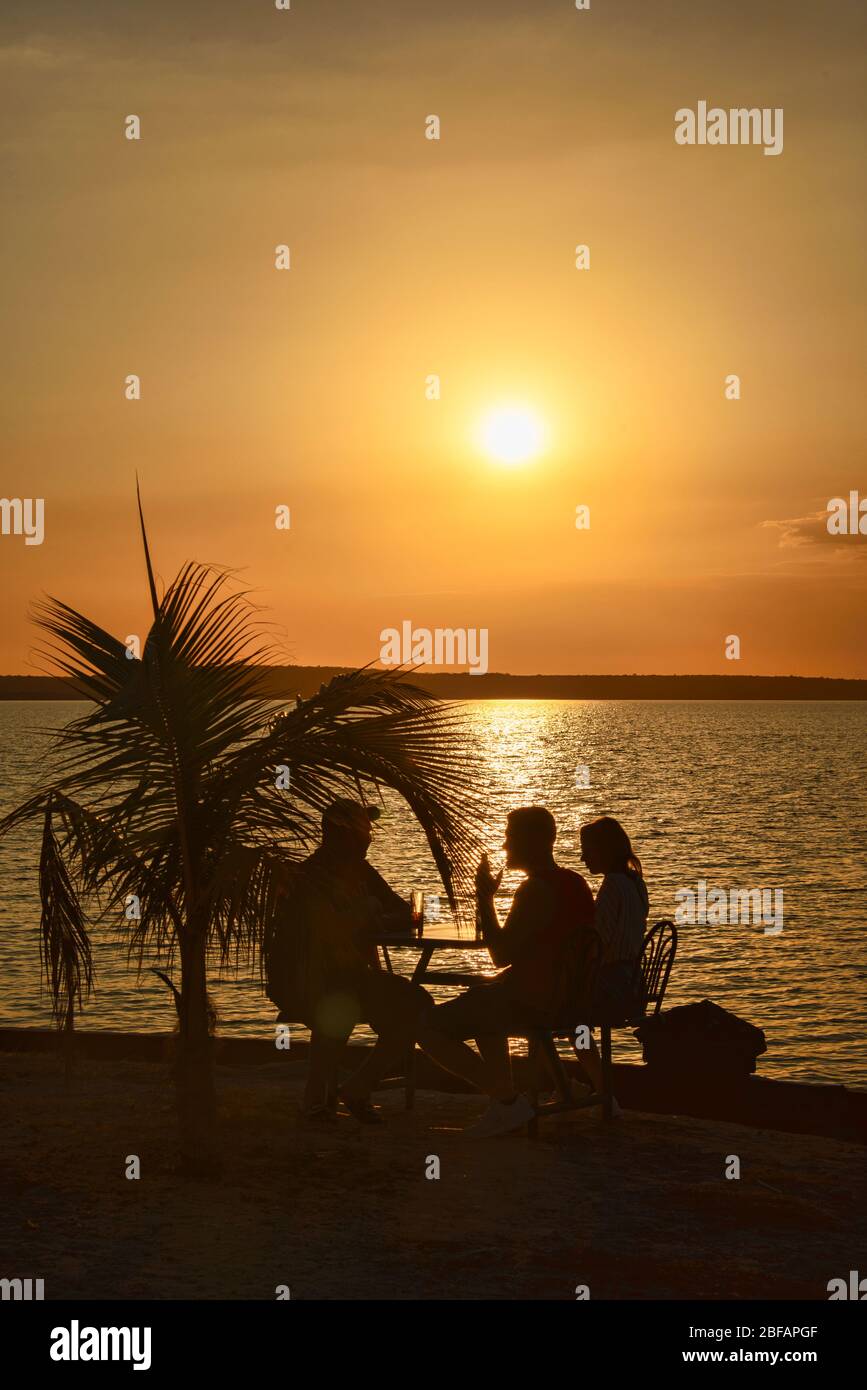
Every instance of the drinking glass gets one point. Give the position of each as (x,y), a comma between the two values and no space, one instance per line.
(417,909)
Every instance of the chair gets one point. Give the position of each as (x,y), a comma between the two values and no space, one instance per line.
(582,970)
(652,975)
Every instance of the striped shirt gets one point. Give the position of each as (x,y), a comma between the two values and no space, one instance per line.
(621,916)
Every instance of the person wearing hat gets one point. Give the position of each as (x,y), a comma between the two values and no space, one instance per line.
(328,973)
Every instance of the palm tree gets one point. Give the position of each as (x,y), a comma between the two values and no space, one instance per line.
(164,812)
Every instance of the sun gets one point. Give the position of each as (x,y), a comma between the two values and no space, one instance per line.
(512,433)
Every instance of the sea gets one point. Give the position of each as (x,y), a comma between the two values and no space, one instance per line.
(720,798)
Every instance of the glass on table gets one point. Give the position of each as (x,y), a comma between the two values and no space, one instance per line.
(416,904)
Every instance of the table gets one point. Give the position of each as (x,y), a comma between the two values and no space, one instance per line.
(426,945)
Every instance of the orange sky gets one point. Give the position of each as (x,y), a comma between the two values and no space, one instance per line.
(411,257)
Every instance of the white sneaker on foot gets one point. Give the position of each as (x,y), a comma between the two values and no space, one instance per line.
(500,1118)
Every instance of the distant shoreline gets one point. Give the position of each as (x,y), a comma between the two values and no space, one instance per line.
(285,682)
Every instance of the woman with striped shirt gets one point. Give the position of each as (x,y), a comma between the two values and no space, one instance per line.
(621,920)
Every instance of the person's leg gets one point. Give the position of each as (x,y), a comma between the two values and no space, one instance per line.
(488,1014)
(316,1088)
(494,1048)
(333,1017)
(392,1005)
(456,1057)
(591,1064)
(480,1014)
(612,999)
(325,1054)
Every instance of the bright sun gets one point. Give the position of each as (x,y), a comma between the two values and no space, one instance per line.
(511,434)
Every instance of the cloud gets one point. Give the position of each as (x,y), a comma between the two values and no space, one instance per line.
(29,56)
(808,530)
(810,538)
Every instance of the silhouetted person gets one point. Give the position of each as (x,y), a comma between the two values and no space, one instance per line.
(621,920)
(549,908)
(326,961)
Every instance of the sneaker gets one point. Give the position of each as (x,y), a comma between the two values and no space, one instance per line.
(500,1118)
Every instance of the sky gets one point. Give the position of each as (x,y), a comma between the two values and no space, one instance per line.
(307,388)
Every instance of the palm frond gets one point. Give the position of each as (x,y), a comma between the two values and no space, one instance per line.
(246,888)
(105,874)
(152,586)
(143,754)
(67,961)
(112,875)
(370,728)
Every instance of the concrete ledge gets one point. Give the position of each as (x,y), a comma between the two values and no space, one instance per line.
(834,1112)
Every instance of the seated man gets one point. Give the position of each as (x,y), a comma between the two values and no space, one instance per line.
(323,966)
(550,906)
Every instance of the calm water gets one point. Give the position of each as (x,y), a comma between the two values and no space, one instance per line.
(742,795)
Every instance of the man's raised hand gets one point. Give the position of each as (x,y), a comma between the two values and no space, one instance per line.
(486,882)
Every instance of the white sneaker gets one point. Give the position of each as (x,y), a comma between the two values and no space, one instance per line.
(500,1118)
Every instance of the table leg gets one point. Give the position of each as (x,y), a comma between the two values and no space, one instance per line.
(421,966)
(409,1079)
(423,961)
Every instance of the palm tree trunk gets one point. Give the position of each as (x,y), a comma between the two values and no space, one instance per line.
(194,1065)
(69,1046)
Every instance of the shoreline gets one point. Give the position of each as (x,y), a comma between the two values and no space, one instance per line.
(285,682)
(758,1102)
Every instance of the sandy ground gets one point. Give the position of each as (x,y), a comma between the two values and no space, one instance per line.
(640,1211)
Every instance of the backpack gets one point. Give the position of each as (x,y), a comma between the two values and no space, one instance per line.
(701,1038)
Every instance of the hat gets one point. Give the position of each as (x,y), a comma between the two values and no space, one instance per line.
(350,814)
